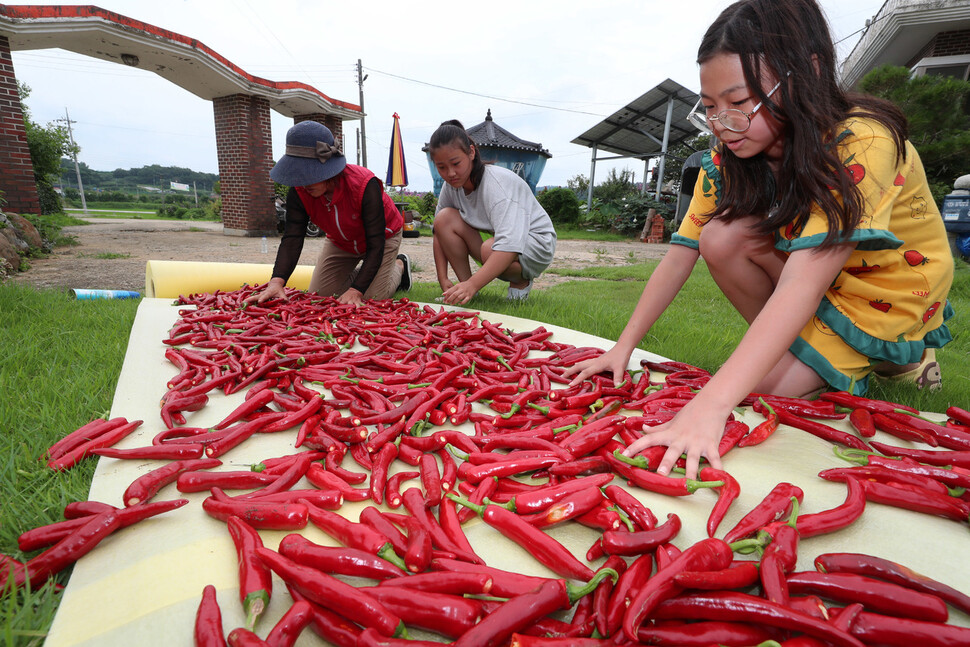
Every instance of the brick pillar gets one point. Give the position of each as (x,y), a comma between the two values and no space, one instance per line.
(245,151)
(16,171)
(335,125)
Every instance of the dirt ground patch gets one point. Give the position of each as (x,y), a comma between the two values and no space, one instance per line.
(112,253)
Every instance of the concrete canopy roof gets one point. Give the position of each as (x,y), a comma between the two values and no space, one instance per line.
(899,30)
(184,61)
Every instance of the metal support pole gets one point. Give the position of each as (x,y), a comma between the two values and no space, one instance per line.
(646,175)
(663,153)
(361,77)
(592,174)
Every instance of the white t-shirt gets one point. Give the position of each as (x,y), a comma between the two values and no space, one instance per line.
(503,204)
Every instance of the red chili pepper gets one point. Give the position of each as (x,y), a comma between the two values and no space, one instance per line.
(288,628)
(451,525)
(353,534)
(902,430)
(643,518)
(76,509)
(734,606)
(238,434)
(915,499)
(337,560)
(929,456)
(208,620)
(616,542)
(628,583)
(169,452)
(709,632)
(541,498)
(544,548)
(392,490)
(378,476)
(520,611)
(83,434)
(325,479)
(417,557)
(877,629)
(707,554)
(413,501)
(740,575)
(883,475)
(50,534)
(452,582)
(442,613)
(635,469)
(268,516)
(858,402)
(107,438)
(255,579)
(776,505)
(147,485)
(329,592)
(876,595)
(763,430)
(572,506)
(232,480)
(889,571)
(505,584)
(861,421)
(826,521)
(726,495)
(258,401)
(823,431)
(946,436)
(39,569)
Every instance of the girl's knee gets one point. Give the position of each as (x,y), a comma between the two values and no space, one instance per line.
(727,241)
(449,216)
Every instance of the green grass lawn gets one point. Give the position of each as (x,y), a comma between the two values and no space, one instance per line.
(62,358)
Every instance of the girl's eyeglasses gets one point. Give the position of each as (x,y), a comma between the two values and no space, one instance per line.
(737,121)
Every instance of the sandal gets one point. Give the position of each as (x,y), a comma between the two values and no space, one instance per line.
(926,376)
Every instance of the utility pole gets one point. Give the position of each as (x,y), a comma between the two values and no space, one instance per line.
(77,169)
(358,147)
(361,77)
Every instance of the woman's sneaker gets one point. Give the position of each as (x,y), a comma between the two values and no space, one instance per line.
(519,294)
(405,284)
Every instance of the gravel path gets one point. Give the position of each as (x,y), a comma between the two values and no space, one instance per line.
(111,253)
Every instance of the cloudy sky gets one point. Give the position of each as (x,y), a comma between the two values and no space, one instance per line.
(548,70)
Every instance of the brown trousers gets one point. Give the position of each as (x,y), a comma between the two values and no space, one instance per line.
(336,269)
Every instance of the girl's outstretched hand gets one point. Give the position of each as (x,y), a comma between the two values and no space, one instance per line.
(611,361)
(695,431)
(275,289)
(459,293)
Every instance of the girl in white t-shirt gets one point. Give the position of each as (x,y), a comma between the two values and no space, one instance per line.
(492,199)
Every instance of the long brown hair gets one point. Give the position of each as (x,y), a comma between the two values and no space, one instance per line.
(452,133)
(790,40)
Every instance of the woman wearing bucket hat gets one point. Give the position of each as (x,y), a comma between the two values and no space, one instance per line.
(363,227)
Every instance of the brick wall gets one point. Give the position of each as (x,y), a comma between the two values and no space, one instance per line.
(244,147)
(951,43)
(16,171)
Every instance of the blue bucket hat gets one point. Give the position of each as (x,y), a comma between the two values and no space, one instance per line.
(311,156)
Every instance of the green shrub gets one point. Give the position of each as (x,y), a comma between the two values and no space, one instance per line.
(561,204)
(50,202)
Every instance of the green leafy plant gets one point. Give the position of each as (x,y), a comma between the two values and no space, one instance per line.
(561,204)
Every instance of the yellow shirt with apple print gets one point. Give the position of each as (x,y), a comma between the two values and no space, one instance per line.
(889,301)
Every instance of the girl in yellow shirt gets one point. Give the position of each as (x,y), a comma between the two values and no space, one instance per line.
(815,219)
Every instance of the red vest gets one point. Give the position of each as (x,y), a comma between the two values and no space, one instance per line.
(340,220)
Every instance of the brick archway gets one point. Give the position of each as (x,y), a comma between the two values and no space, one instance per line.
(241,102)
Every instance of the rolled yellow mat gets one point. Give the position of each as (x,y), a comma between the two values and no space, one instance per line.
(171,279)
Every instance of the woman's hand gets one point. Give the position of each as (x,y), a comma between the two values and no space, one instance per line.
(273,290)
(352,296)
(612,361)
(459,293)
(696,430)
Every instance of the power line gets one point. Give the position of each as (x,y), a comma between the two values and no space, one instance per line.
(487,96)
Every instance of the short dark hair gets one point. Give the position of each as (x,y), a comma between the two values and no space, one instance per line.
(452,133)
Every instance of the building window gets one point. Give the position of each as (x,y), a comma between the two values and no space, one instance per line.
(952,71)
(954,67)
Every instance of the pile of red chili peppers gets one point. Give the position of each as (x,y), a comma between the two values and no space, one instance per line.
(373,395)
